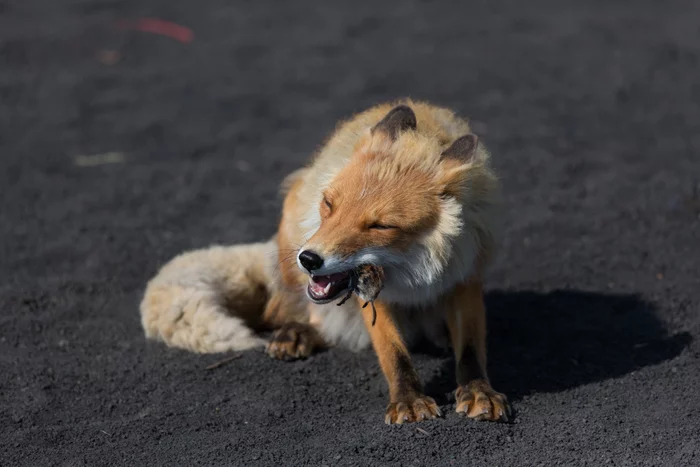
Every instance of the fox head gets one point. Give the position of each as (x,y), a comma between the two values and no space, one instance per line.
(407,202)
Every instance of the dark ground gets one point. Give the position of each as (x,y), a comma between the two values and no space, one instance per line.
(592,113)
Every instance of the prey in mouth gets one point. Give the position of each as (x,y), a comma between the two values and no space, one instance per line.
(366,281)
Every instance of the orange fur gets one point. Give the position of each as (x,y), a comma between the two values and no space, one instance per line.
(392,353)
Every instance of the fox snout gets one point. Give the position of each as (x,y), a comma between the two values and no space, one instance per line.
(325,285)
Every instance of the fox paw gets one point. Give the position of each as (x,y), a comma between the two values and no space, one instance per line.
(414,410)
(479,401)
(294,341)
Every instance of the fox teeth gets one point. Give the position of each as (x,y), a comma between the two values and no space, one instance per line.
(327,288)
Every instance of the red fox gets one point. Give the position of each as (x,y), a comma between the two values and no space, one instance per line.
(402,186)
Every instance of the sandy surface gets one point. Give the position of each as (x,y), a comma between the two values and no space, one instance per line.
(121,149)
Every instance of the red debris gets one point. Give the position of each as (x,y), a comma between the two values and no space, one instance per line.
(160,27)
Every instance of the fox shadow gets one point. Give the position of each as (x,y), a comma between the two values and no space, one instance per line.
(550,342)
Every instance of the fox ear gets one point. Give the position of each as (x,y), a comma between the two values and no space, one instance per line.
(400,118)
(463,149)
(456,163)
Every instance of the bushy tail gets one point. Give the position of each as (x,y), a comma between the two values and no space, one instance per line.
(205,300)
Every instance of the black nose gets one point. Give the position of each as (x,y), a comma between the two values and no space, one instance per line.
(310,260)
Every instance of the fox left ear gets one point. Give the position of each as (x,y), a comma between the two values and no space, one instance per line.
(463,149)
(400,118)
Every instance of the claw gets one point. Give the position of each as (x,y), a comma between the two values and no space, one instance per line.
(418,409)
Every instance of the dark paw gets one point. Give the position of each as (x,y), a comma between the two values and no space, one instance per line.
(293,341)
(479,401)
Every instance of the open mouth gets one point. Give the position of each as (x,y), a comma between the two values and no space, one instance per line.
(324,289)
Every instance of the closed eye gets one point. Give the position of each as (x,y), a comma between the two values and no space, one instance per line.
(377,226)
(328,203)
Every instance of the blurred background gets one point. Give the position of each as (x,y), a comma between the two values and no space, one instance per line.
(133,130)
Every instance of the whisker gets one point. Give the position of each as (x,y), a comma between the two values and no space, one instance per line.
(285,260)
(289,251)
(286,250)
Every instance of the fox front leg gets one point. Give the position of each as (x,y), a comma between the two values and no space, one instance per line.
(466,321)
(407,402)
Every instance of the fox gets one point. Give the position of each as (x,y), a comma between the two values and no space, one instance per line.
(404,187)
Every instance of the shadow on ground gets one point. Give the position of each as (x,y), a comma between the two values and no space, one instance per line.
(563,339)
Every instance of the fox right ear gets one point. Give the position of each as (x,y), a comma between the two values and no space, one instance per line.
(456,163)
(400,118)
(463,149)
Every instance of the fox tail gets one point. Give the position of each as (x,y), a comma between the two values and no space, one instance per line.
(209,300)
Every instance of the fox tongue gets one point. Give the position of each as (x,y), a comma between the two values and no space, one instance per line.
(327,287)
